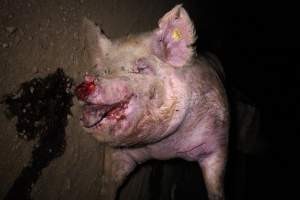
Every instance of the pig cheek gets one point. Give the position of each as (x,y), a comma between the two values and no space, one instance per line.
(146,122)
(132,126)
(128,126)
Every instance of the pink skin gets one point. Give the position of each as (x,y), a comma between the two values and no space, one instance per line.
(167,104)
(176,52)
(195,140)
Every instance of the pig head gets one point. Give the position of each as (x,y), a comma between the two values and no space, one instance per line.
(151,97)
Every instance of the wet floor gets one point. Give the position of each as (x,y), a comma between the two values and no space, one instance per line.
(41,107)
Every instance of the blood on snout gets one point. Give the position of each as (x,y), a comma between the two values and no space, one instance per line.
(83,90)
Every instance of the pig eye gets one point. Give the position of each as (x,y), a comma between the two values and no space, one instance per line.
(143,67)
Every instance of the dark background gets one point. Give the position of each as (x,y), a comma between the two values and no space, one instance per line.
(257,41)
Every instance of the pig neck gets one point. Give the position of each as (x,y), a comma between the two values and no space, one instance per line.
(204,96)
(202,90)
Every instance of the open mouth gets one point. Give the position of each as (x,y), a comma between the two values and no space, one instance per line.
(94,114)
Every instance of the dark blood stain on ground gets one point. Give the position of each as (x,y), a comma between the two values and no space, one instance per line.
(41,107)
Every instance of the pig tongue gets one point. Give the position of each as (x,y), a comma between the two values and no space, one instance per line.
(93,114)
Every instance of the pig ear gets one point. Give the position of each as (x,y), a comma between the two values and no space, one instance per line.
(96,42)
(172,41)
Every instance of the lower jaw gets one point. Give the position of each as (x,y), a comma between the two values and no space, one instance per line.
(115,115)
(106,126)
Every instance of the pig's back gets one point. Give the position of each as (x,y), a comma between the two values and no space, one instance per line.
(216,64)
(212,81)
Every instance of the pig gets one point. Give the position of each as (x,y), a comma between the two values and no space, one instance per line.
(150,96)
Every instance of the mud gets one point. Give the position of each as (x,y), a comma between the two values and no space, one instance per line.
(41,107)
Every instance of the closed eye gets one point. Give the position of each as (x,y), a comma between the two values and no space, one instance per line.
(142,66)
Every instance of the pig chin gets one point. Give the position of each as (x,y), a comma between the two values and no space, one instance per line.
(105,122)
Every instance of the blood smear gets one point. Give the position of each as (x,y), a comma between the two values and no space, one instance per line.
(84,89)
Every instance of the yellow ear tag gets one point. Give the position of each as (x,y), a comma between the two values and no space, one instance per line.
(176,35)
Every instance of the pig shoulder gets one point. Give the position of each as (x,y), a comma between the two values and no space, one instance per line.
(208,99)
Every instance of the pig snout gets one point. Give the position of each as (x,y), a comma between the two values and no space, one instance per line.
(103,92)
(105,101)
(84,89)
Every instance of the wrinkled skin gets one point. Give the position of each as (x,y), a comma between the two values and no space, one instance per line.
(151,98)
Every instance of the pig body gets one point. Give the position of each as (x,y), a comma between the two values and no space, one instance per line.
(151,97)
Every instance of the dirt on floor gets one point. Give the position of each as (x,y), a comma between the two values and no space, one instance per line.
(37,38)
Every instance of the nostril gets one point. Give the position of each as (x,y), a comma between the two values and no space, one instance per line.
(83,90)
(89,78)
